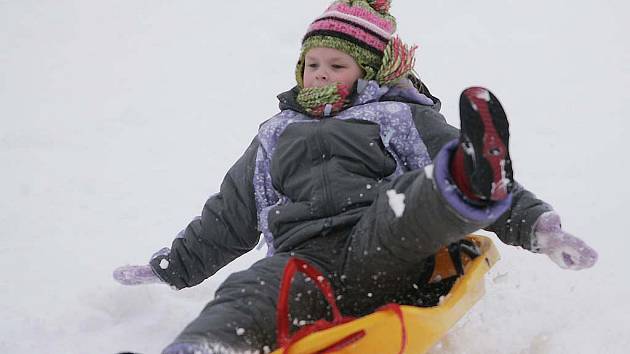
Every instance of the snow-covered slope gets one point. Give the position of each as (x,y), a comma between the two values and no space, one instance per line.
(118,118)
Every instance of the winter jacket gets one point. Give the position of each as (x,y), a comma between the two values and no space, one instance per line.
(302,177)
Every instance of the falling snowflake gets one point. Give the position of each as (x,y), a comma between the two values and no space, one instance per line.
(164,263)
(396,202)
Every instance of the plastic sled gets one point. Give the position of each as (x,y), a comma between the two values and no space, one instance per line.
(401,329)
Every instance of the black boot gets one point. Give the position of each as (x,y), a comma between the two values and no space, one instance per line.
(481,166)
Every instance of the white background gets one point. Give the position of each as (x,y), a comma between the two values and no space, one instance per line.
(118,118)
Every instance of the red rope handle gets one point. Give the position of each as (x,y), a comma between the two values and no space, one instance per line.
(282,314)
(398,311)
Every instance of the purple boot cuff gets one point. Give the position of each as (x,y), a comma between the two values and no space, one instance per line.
(453,196)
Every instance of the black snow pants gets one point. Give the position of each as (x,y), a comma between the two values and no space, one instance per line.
(375,262)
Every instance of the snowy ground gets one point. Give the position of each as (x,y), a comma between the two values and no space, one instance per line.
(118,118)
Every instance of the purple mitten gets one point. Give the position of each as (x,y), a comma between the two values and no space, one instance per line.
(566,250)
(136,275)
(140,274)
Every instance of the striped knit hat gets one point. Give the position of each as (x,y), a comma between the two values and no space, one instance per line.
(364,30)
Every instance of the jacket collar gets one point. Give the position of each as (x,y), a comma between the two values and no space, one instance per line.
(371,91)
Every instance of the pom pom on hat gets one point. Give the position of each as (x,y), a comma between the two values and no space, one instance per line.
(381,6)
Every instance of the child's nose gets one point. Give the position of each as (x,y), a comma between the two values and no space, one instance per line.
(322,75)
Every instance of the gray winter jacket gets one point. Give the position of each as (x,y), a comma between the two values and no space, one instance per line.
(302,176)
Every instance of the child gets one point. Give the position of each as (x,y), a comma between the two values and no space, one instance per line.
(362,177)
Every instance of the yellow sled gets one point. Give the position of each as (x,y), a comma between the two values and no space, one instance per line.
(424,325)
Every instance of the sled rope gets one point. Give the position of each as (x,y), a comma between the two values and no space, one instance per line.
(285,340)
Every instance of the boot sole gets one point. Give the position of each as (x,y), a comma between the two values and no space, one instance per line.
(485,129)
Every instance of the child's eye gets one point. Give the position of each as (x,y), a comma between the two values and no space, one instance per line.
(311,65)
(338,66)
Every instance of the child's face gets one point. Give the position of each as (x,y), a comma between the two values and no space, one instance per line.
(324,66)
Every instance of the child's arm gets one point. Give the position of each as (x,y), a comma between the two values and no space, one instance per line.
(534,225)
(516,226)
(528,221)
(226,229)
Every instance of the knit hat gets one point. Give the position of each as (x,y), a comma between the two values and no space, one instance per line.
(364,30)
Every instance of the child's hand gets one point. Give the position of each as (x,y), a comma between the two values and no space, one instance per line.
(566,250)
(135,275)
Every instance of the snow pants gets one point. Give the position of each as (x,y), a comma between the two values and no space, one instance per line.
(377,261)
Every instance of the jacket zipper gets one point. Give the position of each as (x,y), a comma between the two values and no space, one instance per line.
(328,210)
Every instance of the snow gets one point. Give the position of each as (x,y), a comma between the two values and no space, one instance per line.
(118,117)
(428,171)
(483,95)
(396,202)
(164,264)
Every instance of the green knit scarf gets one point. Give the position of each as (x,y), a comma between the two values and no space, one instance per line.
(324,101)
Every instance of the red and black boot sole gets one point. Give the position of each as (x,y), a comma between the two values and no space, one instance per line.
(483,147)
